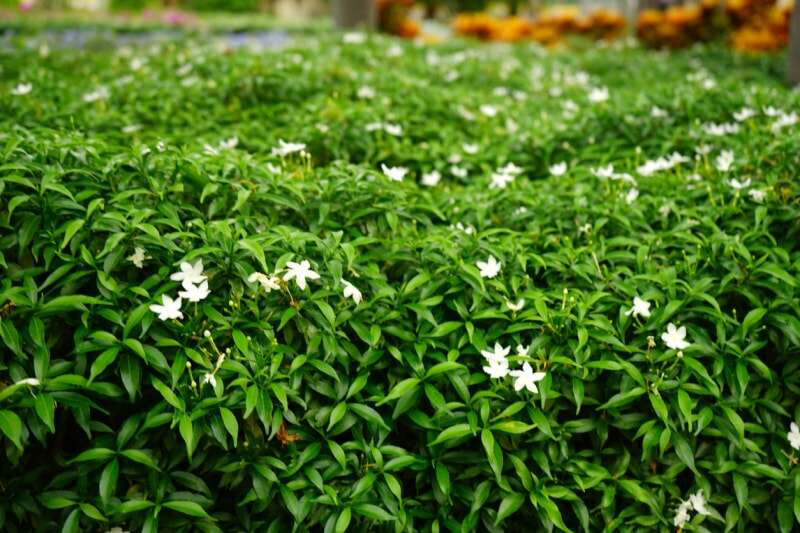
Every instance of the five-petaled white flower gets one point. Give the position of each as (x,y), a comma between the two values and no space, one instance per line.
(598,94)
(699,502)
(631,196)
(269,283)
(522,350)
(640,308)
(489,268)
(283,149)
(724,161)
(299,272)
(195,293)
(489,110)
(682,515)
(736,184)
(794,436)
(394,173)
(351,292)
(526,378)
(168,309)
(22,89)
(190,274)
(757,195)
(210,379)
(138,257)
(497,369)
(470,149)
(499,353)
(431,179)
(675,337)
(743,114)
(559,169)
(515,306)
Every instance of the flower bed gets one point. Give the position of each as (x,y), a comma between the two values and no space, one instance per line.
(363,283)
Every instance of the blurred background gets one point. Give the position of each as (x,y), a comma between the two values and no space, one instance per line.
(746,25)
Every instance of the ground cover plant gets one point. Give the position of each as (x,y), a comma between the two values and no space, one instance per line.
(360,284)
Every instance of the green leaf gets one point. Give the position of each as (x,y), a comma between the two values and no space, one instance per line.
(231,424)
(108,481)
(684,451)
(509,505)
(453,432)
(372,512)
(343,521)
(401,389)
(187,432)
(45,407)
(187,508)
(102,362)
(11,426)
(70,231)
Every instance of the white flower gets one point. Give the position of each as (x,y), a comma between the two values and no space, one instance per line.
(468,229)
(743,114)
(724,161)
(269,283)
(458,172)
(169,309)
(210,150)
(209,379)
(489,110)
(454,159)
(682,515)
(394,51)
(736,184)
(640,308)
(351,292)
(631,195)
(497,369)
(22,89)
(354,38)
(703,149)
(718,130)
(231,143)
(195,293)
(664,210)
(393,129)
(675,337)
(499,353)
(394,173)
(559,169)
(283,149)
(500,180)
(698,502)
(772,111)
(99,94)
(515,306)
(657,112)
(489,268)
(470,149)
(511,169)
(757,195)
(522,350)
(160,146)
(299,272)
(598,94)
(526,378)
(366,92)
(794,436)
(33,382)
(431,179)
(785,119)
(373,126)
(604,172)
(190,274)
(138,257)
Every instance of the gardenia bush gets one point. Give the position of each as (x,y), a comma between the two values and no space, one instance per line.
(363,285)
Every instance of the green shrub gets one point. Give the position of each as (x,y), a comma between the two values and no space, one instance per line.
(361,401)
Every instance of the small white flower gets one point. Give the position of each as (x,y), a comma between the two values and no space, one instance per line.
(657,112)
(674,337)
(470,149)
(757,195)
(510,169)
(469,230)
(299,272)
(515,306)
(230,144)
(631,196)
(22,89)
(351,292)
(394,173)
(268,283)
(100,93)
(366,92)
(500,180)
(431,179)
(283,149)
(785,119)
(794,436)
(489,110)
(527,378)
(354,38)
(160,146)
(138,257)
(499,353)
(772,111)
(664,210)
(738,185)
(640,308)
(744,114)
(374,126)
(458,172)
(273,169)
(393,129)
(682,515)
(210,150)
(522,350)
(598,94)
(195,293)
(489,268)
(698,502)
(703,149)
(190,274)
(719,130)
(559,169)
(604,172)
(169,309)
(497,369)
(724,161)
(454,159)
(209,379)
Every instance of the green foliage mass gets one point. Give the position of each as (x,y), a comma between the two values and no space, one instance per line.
(302,409)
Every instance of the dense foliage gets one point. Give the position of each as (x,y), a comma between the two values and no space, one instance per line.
(354,391)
